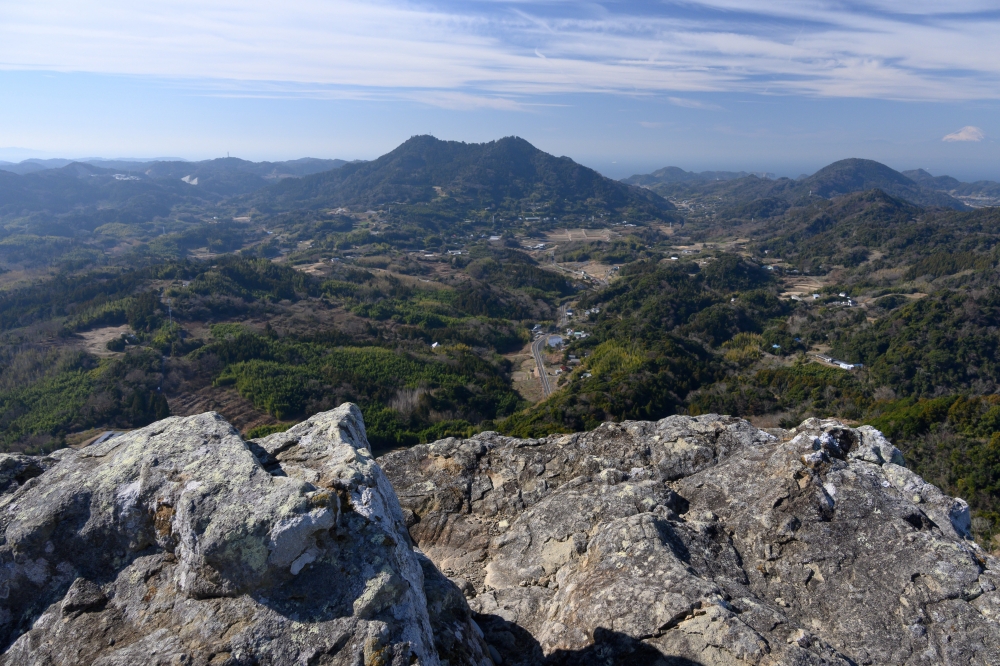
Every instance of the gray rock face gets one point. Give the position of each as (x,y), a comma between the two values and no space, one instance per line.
(687,541)
(702,541)
(182,544)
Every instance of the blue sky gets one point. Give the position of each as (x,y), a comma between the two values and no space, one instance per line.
(784,86)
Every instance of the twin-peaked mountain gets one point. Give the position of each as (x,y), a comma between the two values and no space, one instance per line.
(449,180)
(508,175)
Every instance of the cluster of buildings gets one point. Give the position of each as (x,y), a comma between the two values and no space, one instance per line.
(558,340)
(837,362)
(848,302)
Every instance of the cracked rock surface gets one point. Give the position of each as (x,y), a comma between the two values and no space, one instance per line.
(702,540)
(182,544)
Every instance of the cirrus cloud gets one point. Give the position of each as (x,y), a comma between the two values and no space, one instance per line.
(496,50)
(693,104)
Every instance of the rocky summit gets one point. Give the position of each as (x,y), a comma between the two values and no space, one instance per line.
(182,544)
(691,540)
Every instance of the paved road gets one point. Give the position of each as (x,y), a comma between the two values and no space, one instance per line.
(536,350)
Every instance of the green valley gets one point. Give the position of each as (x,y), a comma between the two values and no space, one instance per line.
(416,284)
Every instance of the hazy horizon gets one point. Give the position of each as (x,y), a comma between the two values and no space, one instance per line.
(785,87)
(610,168)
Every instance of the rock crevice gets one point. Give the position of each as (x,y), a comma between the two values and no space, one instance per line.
(703,540)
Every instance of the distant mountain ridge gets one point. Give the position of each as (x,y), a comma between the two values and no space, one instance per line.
(836,179)
(147,188)
(858,175)
(977,194)
(672,174)
(171,167)
(508,174)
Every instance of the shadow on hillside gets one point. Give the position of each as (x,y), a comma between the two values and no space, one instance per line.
(610,648)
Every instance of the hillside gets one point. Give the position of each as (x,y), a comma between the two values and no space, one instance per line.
(77,186)
(112,185)
(509,176)
(837,179)
(84,209)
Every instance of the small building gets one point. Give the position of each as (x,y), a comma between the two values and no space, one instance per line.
(843,365)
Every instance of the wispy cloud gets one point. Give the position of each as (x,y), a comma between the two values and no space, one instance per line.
(967,133)
(692,104)
(499,50)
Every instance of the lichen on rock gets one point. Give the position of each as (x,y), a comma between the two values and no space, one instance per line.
(691,540)
(703,540)
(181,543)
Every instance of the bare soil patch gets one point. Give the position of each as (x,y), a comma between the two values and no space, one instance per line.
(96,340)
(566,235)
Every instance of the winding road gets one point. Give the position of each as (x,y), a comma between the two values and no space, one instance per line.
(536,350)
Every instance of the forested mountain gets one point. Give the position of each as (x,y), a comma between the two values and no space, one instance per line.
(981,190)
(839,178)
(158,185)
(672,174)
(176,168)
(84,209)
(33,165)
(855,175)
(925,179)
(509,175)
